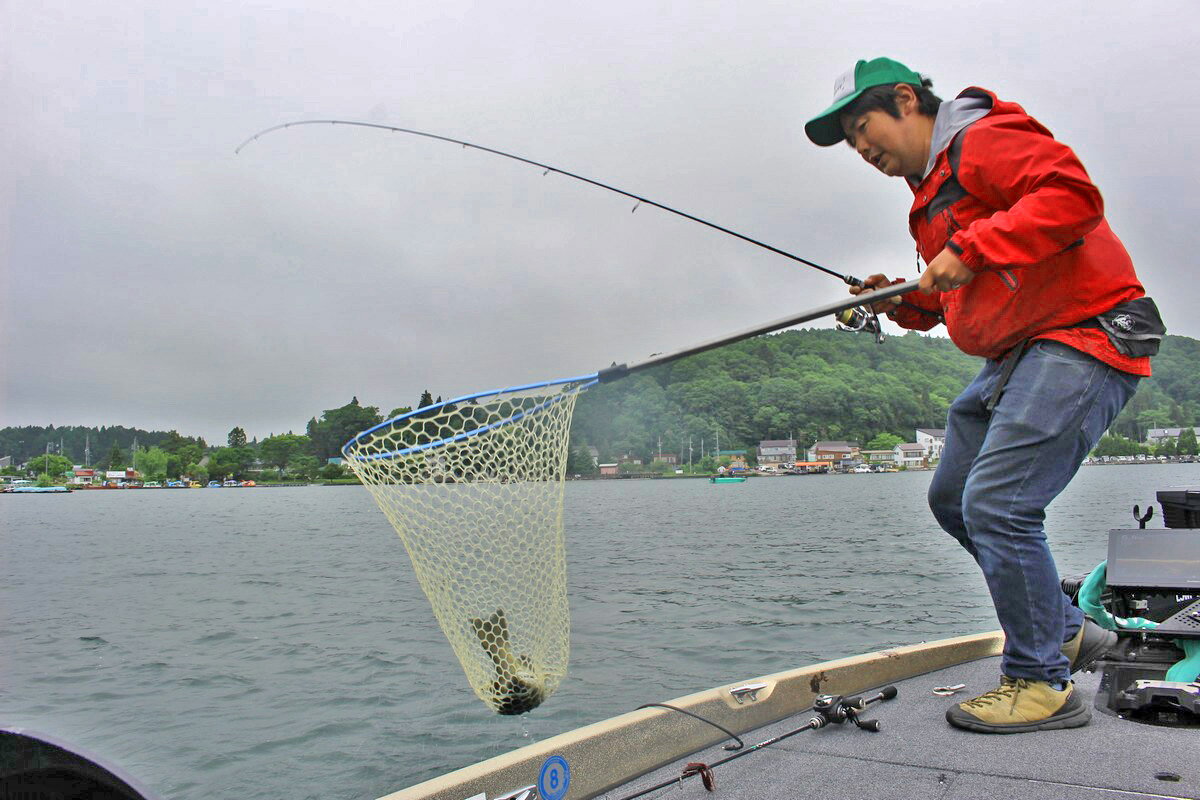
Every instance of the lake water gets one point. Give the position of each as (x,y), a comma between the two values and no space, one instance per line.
(273,643)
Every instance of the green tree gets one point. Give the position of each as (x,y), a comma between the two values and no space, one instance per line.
(883,441)
(579,461)
(331,472)
(303,466)
(53,465)
(1186,444)
(237,438)
(196,473)
(151,463)
(115,458)
(277,451)
(230,462)
(339,425)
(1116,445)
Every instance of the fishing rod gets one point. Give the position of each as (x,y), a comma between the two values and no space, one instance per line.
(852,321)
(870,297)
(827,710)
(850,280)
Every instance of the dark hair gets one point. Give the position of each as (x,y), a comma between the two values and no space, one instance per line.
(883,98)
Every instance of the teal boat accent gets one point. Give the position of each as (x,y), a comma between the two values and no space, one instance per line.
(731,479)
(1185,671)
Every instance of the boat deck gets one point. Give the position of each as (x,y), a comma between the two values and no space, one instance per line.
(918,755)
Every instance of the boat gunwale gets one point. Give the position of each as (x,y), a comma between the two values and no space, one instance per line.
(638,742)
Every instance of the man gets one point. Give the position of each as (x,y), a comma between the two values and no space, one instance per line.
(1024,271)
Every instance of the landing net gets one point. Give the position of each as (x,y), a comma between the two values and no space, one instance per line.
(474,487)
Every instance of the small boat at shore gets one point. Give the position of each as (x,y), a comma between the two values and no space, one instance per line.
(727,479)
(38,490)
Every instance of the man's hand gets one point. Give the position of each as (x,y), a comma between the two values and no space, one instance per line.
(945,273)
(874,282)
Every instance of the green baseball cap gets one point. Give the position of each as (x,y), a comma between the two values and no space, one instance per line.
(825,129)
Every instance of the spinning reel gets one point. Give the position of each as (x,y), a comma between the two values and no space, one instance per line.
(860,318)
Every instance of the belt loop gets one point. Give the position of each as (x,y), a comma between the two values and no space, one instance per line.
(1010,363)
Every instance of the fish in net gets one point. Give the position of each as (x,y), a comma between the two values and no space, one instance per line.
(474,488)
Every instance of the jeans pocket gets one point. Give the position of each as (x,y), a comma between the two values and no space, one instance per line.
(1117,390)
(1057,351)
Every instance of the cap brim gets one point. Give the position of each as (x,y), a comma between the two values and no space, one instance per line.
(825,129)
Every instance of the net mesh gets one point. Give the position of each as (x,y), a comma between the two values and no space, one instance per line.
(475,489)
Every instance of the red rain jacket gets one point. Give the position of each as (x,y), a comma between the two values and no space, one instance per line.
(1031,226)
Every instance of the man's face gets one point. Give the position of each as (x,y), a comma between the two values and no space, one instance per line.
(893,146)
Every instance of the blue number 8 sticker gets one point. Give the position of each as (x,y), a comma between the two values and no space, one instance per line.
(554,778)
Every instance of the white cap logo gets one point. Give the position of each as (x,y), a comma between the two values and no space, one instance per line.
(843,86)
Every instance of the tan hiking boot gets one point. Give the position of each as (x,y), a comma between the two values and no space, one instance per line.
(1090,643)
(1018,706)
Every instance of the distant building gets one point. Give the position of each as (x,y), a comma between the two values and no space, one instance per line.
(595,455)
(933,440)
(83,476)
(667,458)
(737,458)
(1160,435)
(777,451)
(909,454)
(878,456)
(609,469)
(5,461)
(833,451)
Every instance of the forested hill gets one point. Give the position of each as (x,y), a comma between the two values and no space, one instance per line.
(826,384)
(811,385)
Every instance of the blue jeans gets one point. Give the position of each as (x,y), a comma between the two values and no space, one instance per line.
(1000,470)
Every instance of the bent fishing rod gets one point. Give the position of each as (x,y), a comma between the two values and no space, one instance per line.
(850,280)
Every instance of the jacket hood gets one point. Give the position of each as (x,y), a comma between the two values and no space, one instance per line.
(952,117)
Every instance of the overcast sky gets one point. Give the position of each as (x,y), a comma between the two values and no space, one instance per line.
(154,279)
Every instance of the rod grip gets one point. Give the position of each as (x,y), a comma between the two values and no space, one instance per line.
(612,373)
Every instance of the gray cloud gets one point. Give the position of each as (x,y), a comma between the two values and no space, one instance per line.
(153,278)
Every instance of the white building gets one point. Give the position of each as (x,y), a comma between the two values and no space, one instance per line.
(1160,435)
(879,456)
(933,440)
(909,454)
(777,451)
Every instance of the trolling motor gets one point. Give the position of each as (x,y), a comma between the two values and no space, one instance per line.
(1152,577)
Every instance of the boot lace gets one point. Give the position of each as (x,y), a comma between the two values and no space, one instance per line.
(1008,689)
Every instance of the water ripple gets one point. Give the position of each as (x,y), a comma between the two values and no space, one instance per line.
(265,641)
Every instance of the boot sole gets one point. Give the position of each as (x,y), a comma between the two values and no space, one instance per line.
(1099,646)
(1076,718)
